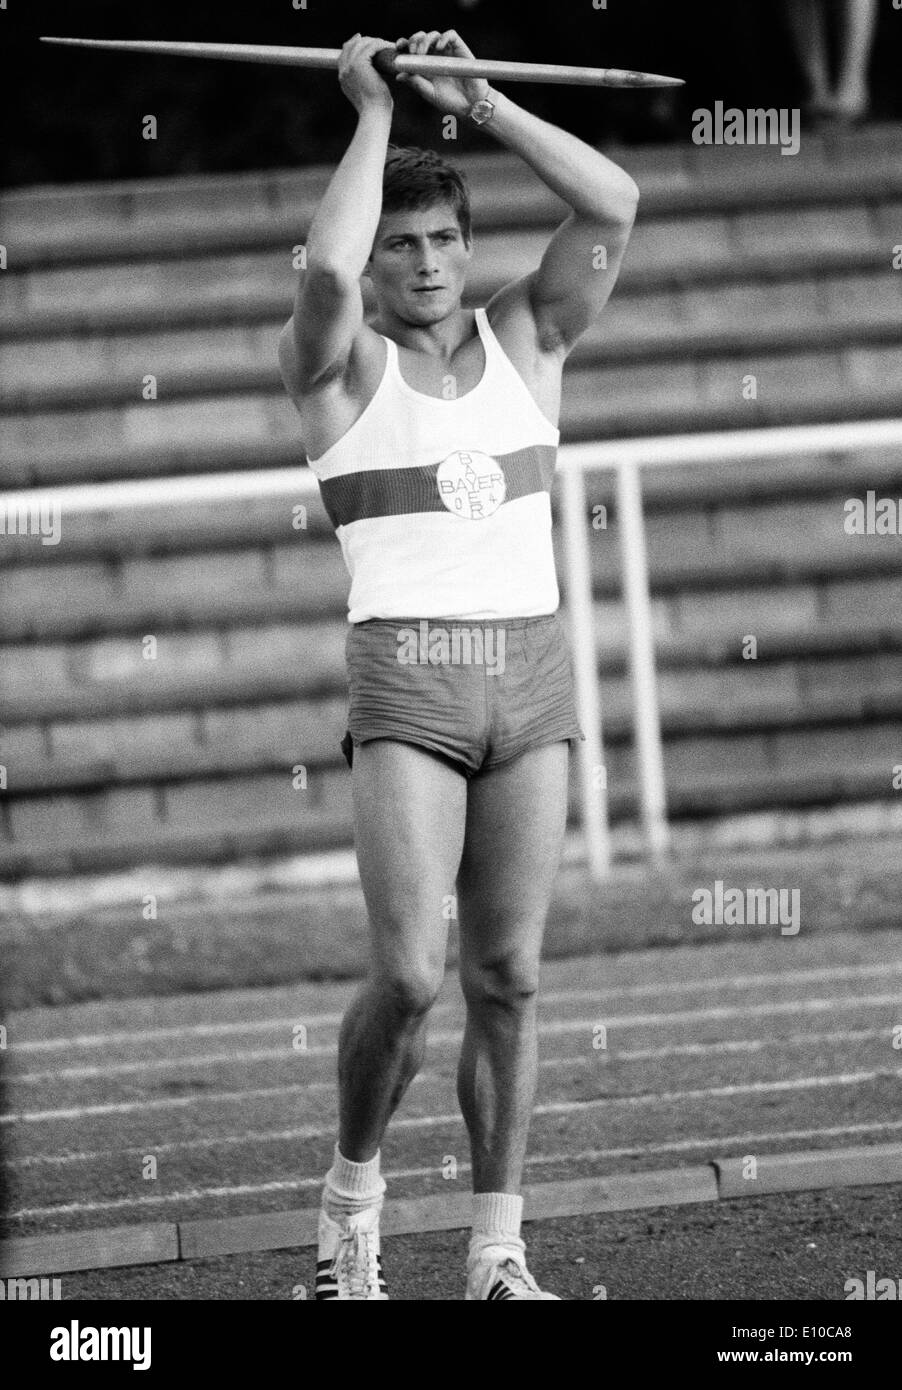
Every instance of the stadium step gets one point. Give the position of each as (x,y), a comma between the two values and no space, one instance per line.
(167,670)
(231,740)
(158,437)
(53,373)
(692,252)
(221,818)
(216,516)
(143,571)
(101,222)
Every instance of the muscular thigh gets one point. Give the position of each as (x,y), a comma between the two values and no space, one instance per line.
(516,820)
(409,819)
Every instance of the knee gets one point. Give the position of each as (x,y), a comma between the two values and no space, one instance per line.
(509,980)
(409,992)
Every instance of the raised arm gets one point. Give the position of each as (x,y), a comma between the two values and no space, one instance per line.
(580,266)
(328,310)
(582,260)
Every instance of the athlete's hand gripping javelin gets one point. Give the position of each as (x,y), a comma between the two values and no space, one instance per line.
(454,95)
(363,86)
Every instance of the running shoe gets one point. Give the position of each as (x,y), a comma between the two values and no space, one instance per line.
(500,1272)
(349,1264)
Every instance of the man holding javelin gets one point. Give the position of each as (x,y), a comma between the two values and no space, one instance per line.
(433,434)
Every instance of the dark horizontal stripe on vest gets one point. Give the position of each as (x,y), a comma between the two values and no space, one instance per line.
(402,491)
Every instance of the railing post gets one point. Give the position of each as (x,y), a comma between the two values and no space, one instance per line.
(592,771)
(649,748)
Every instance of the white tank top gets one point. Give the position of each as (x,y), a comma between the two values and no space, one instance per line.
(442,507)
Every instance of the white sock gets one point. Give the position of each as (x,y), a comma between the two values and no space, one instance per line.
(353,1186)
(496,1221)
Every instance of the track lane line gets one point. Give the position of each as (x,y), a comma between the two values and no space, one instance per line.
(333,1019)
(282,1055)
(559,1107)
(716,1144)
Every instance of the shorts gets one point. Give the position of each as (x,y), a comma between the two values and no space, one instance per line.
(475,693)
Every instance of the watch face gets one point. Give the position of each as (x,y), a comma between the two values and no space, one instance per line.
(482,111)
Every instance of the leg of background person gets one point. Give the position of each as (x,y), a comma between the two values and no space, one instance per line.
(516,819)
(858,27)
(807,21)
(409,817)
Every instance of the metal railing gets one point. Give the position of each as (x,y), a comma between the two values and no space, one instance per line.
(628,458)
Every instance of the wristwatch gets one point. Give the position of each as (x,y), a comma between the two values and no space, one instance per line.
(481,111)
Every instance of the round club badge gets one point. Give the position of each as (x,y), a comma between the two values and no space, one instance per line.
(470,484)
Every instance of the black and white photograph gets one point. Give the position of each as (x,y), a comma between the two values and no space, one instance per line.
(451,669)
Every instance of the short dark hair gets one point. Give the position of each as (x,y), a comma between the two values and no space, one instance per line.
(415,178)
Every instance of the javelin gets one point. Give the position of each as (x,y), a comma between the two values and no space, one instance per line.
(425,64)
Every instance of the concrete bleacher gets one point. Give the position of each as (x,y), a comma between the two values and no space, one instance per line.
(743,263)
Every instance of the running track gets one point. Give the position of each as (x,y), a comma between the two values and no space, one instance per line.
(753,1048)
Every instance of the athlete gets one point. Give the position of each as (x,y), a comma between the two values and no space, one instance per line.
(433,432)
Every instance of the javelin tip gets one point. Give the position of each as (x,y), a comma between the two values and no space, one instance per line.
(646,79)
